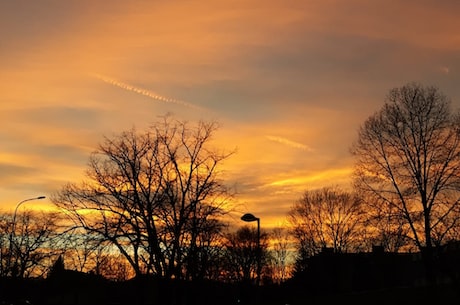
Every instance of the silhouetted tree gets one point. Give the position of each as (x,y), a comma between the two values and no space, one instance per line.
(5,244)
(203,259)
(31,248)
(281,254)
(82,249)
(408,159)
(386,227)
(241,254)
(90,253)
(328,217)
(153,195)
(112,266)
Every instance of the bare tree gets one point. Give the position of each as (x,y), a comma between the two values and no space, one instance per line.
(328,217)
(386,227)
(111,266)
(281,254)
(152,195)
(82,251)
(241,254)
(408,159)
(203,259)
(31,248)
(5,249)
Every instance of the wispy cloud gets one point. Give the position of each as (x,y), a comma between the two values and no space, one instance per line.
(444,69)
(144,92)
(288,142)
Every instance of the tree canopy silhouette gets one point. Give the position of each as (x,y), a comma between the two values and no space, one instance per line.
(154,195)
(408,161)
(326,218)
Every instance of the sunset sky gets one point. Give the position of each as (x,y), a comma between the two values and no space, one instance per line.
(289,81)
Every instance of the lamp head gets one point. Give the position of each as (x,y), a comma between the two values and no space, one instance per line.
(248,217)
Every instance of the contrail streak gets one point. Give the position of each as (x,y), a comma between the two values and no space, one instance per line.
(144,92)
(289,142)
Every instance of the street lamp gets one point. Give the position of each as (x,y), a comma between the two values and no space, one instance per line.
(248,217)
(13,226)
(20,203)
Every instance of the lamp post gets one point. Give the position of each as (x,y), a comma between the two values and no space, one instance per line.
(20,203)
(13,228)
(248,217)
